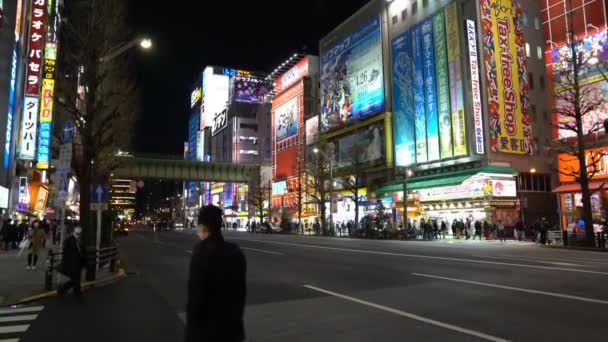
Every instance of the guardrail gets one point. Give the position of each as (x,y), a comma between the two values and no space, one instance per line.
(576,239)
(95,260)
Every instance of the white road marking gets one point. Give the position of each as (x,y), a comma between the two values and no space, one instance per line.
(17,318)
(427,257)
(181,315)
(188,251)
(14,329)
(542,261)
(410,315)
(261,251)
(10,340)
(21,310)
(519,289)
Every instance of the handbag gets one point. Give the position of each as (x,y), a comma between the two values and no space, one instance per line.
(25,243)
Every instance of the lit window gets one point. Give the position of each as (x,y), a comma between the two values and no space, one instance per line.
(524,18)
(527,50)
(539,53)
(537,23)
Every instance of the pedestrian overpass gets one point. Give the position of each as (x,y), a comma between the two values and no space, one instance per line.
(172,168)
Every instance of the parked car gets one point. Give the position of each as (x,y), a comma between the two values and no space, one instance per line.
(121,229)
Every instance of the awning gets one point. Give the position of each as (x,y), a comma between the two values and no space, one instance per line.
(576,187)
(443,179)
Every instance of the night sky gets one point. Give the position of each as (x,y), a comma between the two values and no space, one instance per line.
(251,35)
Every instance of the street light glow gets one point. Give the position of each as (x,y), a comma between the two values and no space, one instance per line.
(532,170)
(146,43)
(315,150)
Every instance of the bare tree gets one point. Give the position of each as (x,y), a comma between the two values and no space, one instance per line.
(576,102)
(259,193)
(317,182)
(99,97)
(352,176)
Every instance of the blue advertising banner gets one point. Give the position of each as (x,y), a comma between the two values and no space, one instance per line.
(403,100)
(193,127)
(419,103)
(430,89)
(44,143)
(352,84)
(11,105)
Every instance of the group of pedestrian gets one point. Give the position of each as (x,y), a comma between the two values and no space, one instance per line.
(11,233)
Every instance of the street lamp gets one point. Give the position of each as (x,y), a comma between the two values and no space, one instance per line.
(144,43)
(316,150)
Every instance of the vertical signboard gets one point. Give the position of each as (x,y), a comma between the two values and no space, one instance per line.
(443,87)
(506,77)
(28,129)
(421,153)
(430,90)
(11,106)
(46,107)
(475,91)
(403,100)
(455,76)
(35,51)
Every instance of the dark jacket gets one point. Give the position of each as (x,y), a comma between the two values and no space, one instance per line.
(72,258)
(216,292)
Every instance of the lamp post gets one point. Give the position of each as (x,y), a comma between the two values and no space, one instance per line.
(316,150)
(406,173)
(144,43)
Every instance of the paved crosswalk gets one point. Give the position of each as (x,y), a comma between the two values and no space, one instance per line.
(15,321)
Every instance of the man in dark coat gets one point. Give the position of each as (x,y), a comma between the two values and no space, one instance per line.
(216,287)
(72,262)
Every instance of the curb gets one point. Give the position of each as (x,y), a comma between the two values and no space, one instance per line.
(121,274)
(577,248)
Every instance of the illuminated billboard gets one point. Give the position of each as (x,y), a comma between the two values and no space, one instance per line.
(250,89)
(43,154)
(475,90)
(36,48)
(352,84)
(364,146)
(29,124)
(286,119)
(506,77)
(593,119)
(429,120)
(193,129)
(312,130)
(216,91)
(291,76)
(10,111)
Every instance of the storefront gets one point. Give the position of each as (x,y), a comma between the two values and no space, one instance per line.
(569,191)
(483,194)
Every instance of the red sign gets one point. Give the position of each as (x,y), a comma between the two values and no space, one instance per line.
(292,75)
(36,48)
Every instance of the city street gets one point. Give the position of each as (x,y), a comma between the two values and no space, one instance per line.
(320,289)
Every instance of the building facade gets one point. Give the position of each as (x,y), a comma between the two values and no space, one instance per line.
(295,122)
(229,122)
(588,26)
(450,94)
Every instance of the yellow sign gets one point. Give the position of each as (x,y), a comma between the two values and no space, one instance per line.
(46,104)
(451,31)
(507,96)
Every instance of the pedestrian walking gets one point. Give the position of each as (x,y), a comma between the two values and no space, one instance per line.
(519,230)
(467,229)
(501,231)
(455,229)
(36,236)
(486,230)
(216,286)
(478,230)
(72,262)
(544,228)
(444,229)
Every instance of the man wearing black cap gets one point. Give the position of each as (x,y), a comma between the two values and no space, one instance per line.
(216,288)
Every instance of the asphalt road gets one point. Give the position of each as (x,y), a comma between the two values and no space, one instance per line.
(320,289)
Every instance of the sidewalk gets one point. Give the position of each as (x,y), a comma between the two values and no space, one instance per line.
(15,281)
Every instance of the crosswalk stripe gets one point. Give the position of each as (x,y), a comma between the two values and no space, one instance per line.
(21,310)
(14,329)
(18,318)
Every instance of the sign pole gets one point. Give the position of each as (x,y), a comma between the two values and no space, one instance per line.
(98,241)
